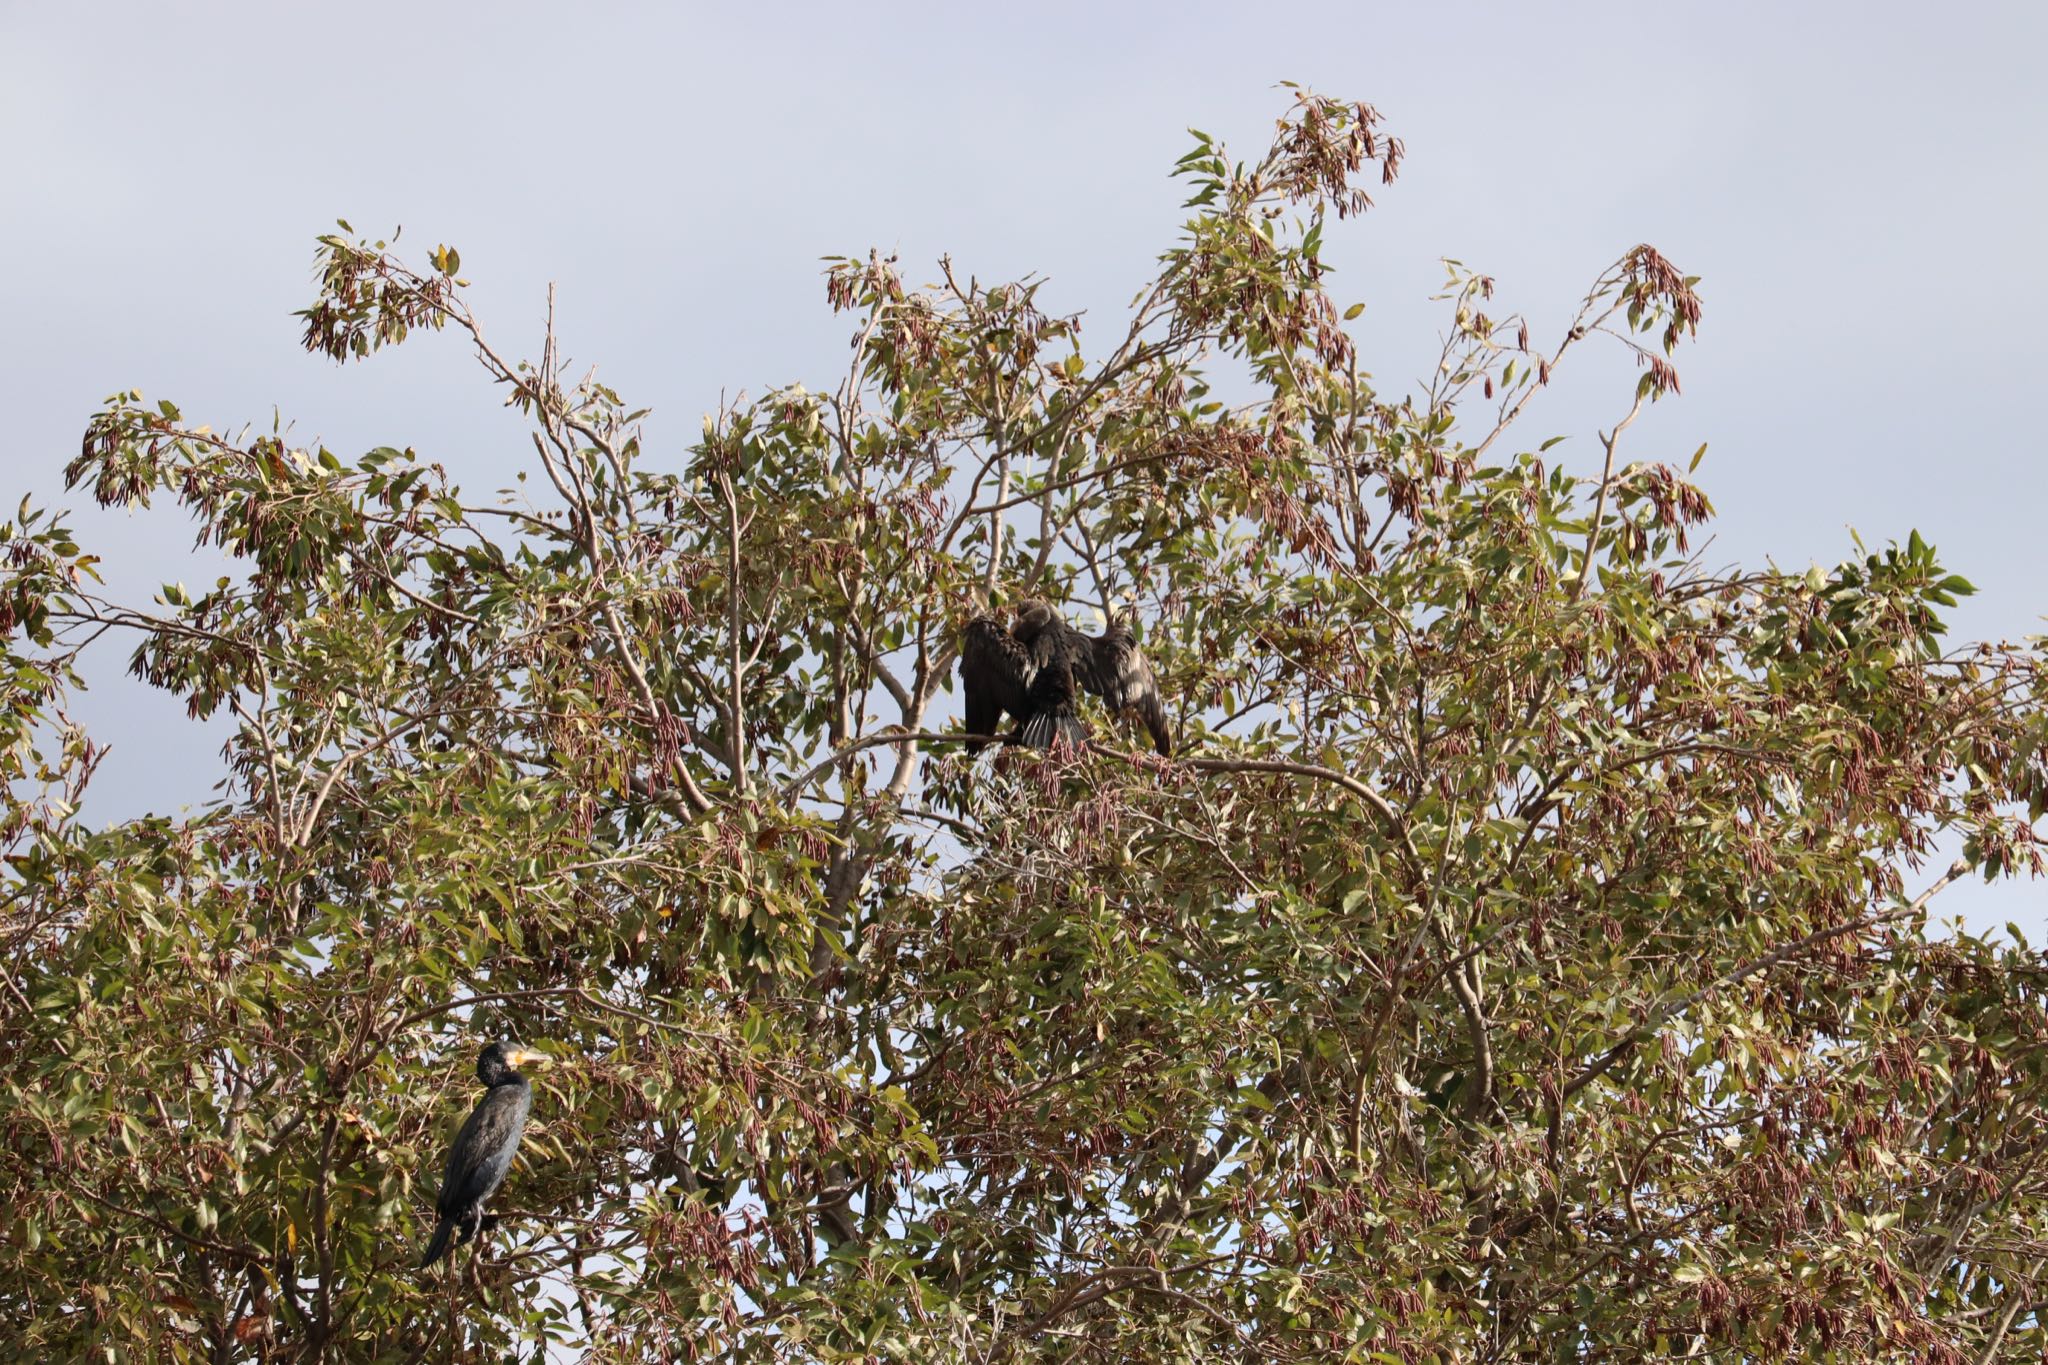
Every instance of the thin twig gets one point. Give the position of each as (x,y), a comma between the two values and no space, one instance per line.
(1607,440)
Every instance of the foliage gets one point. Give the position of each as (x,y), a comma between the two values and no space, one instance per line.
(1522,959)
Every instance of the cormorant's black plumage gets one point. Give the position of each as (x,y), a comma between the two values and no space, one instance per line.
(995,676)
(1058,665)
(1123,678)
(1035,671)
(1051,703)
(484,1149)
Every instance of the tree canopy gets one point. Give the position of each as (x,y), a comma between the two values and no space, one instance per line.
(1521,956)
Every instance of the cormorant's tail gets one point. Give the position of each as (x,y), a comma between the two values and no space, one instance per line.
(1042,728)
(436,1249)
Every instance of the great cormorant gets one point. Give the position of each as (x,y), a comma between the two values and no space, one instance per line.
(1031,671)
(483,1150)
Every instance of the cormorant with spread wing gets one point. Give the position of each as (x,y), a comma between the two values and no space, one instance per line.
(1031,672)
(483,1150)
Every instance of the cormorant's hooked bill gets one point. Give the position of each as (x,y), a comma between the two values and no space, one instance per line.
(484,1149)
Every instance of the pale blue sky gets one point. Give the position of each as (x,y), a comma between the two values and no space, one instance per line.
(1859,185)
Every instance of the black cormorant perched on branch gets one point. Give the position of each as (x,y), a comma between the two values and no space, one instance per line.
(1032,669)
(483,1150)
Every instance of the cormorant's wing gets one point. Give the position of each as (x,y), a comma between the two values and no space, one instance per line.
(1118,672)
(995,676)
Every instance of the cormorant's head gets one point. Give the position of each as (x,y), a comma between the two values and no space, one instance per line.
(500,1061)
(1033,616)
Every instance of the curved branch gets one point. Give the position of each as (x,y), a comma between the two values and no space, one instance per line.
(1380,805)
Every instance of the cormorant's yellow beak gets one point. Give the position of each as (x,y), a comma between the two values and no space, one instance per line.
(521,1056)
